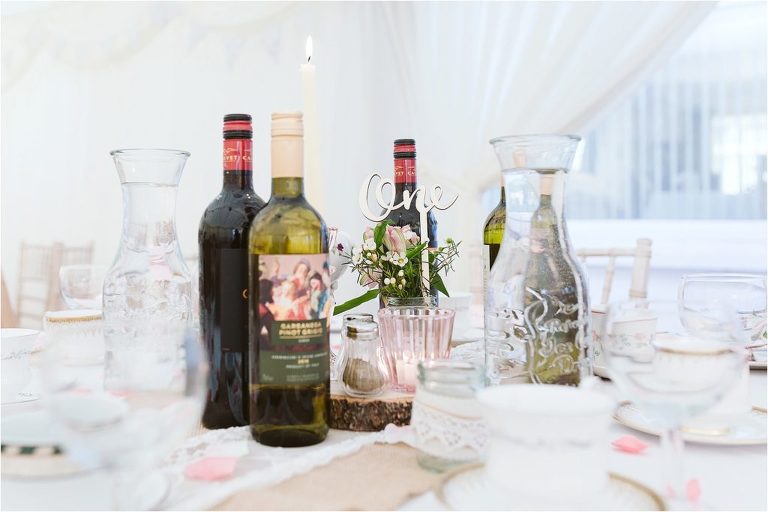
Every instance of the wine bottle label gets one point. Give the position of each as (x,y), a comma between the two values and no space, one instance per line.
(237,155)
(233,299)
(294,302)
(405,170)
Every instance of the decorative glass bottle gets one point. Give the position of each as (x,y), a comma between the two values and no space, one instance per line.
(536,302)
(147,301)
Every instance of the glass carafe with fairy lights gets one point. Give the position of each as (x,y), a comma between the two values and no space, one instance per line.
(536,301)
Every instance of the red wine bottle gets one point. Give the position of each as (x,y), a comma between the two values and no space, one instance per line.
(223,240)
(405,179)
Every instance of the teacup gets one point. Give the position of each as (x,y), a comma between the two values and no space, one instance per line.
(76,335)
(631,333)
(546,440)
(16,346)
(695,362)
(599,317)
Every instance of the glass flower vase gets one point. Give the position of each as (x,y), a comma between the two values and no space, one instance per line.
(536,303)
(413,330)
(147,291)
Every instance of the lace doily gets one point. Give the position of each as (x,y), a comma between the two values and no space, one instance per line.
(257,465)
(443,434)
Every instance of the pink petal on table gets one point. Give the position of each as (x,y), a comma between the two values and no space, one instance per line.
(629,444)
(693,489)
(211,468)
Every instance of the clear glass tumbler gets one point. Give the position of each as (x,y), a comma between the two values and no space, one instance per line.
(446,418)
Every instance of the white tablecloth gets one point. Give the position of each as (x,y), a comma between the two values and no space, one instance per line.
(731,478)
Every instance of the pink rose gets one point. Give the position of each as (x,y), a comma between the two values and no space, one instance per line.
(394,240)
(410,236)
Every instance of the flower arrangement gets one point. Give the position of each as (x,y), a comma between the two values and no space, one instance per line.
(389,262)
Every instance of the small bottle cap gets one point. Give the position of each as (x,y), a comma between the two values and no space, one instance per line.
(237,126)
(287,124)
(405,148)
(365,317)
(362,329)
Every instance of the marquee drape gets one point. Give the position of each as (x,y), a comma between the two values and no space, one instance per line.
(79,79)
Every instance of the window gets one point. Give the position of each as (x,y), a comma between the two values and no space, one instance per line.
(690,141)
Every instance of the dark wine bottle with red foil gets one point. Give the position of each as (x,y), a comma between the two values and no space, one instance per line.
(405,180)
(223,240)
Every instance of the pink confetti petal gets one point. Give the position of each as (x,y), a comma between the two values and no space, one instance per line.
(693,490)
(629,444)
(211,468)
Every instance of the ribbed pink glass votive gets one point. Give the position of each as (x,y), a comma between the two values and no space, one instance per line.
(412,334)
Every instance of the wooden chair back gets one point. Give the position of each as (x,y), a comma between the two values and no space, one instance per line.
(38,289)
(641,253)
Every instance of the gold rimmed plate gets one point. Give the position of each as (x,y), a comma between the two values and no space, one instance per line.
(468,489)
(742,429)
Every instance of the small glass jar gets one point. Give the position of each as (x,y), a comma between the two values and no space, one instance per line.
(78,334)
(362,372)
(337,357)
(446,419)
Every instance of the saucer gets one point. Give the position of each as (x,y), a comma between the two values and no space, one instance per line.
(602,371)
(468,489)
(745,429)
(21,397)
(30,449)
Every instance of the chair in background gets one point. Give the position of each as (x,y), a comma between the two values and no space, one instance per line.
(9,318)
(641,253)
(38,289)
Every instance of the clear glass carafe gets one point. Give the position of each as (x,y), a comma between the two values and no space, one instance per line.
(147,291)
(536,303)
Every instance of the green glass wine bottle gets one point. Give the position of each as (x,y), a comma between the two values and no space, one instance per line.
(493,232)
(552,286)
(289,303)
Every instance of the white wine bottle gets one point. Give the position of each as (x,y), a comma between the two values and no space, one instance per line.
(289,293)
(493,232)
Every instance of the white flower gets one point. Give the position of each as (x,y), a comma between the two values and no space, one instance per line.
(369,245)
(400,286)
(399,259)
(357,258)
(385,257)
(374,257)
(386,281)
(356,249)
(401,273)
(403,281)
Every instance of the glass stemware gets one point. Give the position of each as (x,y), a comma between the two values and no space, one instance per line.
(745,293)
(669,374)
(130,427)
(81,285)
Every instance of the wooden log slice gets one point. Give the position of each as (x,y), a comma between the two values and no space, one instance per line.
(368,414)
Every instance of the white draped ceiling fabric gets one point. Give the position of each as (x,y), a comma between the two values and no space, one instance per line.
(79,79)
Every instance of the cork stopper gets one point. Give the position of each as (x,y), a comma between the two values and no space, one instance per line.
(287,124)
